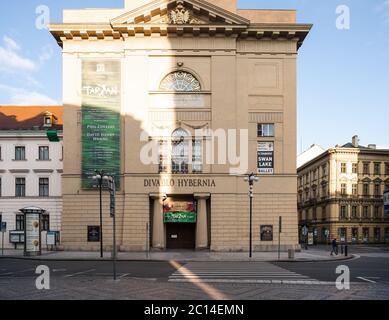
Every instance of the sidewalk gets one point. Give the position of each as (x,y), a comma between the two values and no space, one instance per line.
(311,255)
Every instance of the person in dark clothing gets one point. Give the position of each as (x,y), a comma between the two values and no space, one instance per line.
(334,247)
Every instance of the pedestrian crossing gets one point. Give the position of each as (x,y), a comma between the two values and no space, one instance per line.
(235,272)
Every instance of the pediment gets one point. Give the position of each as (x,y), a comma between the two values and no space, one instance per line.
(180,12)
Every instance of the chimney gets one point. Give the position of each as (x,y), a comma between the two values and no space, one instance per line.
(372,146)
(355,141)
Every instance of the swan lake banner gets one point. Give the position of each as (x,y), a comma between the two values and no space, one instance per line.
(100,120)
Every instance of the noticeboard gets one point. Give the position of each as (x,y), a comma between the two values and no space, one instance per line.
(93,233)
(266,233)
(265,157)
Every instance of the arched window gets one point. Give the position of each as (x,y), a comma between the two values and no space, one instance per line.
(180,81)
(180,151)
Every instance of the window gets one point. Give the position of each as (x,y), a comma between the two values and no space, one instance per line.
(377,169)
(343,167)
(386,168)
(324,190)
(20,187)
(343,189)
(354,212)
(45,222)
(365,189)
(180,151)
(366,168)
(19,222)
(20,153)
(365,212)
(324,169)
(197,156)
(0,153)
(355,167)
(43,187)
(0,187)
(265,130)
(324,213)
(377,190)
(180,81)
(314,214)
(343,212)
(376,212)
(43,153)
(355,189)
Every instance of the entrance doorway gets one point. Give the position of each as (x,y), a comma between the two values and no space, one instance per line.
(180,236)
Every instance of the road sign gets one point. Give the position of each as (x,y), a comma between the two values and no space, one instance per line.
(3,227)
(386,200)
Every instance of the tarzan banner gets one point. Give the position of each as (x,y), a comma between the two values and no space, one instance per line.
(100,120)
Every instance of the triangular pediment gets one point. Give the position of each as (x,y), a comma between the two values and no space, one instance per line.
(180,12)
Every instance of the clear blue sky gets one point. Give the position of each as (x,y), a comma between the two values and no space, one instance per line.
(343,81)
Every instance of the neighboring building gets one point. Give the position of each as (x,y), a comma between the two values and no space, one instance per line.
(340,194)
(167,69)
(30,168)
(309,154)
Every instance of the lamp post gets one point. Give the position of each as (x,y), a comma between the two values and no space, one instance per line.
(251,178)
(100,177)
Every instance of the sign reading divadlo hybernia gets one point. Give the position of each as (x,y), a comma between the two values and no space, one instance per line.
(265,157)
(100,119)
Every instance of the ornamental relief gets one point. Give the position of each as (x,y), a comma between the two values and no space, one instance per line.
(180,15)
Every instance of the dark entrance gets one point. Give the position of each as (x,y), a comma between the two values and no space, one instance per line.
(180,235)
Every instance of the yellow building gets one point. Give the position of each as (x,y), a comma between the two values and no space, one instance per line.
(340,194)
(213,89)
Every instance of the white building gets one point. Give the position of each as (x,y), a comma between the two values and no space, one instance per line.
(30,169)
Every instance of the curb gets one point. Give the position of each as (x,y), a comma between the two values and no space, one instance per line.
(42,258)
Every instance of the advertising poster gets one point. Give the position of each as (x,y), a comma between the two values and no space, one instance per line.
(100,120)
(265,157)
(32,233)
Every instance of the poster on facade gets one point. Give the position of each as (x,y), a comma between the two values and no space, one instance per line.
(100,120)
(267,233)
(265,157)
(32,240)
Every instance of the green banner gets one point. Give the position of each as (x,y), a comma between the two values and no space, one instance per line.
(180,217)
(100,120)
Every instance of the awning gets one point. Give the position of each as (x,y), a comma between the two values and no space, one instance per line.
(180,217)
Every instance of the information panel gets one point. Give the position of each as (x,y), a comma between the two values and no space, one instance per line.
(100,119)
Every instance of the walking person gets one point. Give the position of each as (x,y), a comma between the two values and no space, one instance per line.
(334,247)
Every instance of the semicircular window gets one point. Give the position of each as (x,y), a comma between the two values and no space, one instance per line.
(180,81)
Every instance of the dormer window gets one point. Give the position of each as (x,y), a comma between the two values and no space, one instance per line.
(49,119)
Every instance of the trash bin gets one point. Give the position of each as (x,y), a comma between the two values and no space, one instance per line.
(291,253)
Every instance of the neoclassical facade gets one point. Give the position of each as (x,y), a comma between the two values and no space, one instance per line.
(341,194)
(178,100)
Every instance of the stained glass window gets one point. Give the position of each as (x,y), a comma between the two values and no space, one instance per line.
(180,81)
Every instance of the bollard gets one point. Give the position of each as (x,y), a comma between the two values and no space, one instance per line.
(341,249)
(291,254)
(345,250)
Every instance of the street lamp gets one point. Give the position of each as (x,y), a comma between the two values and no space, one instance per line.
(251,178)
(100,177)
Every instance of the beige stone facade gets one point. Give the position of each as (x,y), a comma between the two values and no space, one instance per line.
(340,194)
(241,65)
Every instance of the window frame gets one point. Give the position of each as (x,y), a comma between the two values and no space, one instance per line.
(22,186)
(40,158)
(19,222)
(269,132)
(21,155)
(43,185)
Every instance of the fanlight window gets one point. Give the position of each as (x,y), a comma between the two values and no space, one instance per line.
(180,81)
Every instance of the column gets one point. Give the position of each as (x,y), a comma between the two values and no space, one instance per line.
(202,221)
(158,231)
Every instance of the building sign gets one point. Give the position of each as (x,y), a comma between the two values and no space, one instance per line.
(100,120)
(386,200)
(192,183)
(265,157)
(32,233)
(267,233)
(180,217)
(93,233)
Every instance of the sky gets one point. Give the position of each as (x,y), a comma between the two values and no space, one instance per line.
(343,80)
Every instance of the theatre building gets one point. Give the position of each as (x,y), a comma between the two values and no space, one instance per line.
(212,88)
